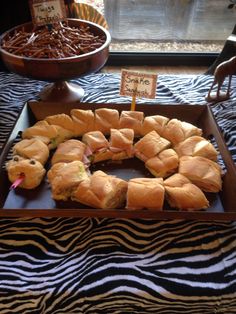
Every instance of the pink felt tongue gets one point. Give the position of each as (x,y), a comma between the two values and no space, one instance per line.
(17,182)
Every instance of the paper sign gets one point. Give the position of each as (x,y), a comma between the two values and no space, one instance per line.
(47,11)
(139,84)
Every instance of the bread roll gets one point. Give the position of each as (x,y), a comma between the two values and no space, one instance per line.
(63,135)
(145,193)
(41,130)
(30,169)
(65,177)
(177,131)
(97,146)
(121,143)
(105,119)
(183,194)
(132,120)
(64,121)
(64,125)
(32,148)
(201,171)
(164,164)
(69,151)
(83,121)
(95,140)
(101,191)
(51,135)
(196,146)
(156,123)
(150,145)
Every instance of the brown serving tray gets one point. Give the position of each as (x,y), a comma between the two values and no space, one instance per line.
(38,202)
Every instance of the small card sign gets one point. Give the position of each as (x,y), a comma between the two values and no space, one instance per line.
(47,11)
(138,84)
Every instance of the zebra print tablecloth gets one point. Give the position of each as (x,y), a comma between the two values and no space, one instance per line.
(75,265)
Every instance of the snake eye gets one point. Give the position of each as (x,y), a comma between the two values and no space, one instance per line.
(32,162)
(15,158)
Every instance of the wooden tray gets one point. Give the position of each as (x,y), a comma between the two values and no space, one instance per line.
(38,202)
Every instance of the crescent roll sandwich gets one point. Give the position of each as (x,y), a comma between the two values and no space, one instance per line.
(32,148)
(51,135)
(164,164)
(196,146)
(181,193)
(29,171)
(177,131)
(105,119)
(145,193)
(65,177)
(83,121)
(41,130)
(97,146)
(69,151)
(63,135)
(64,121)
(132,120)
(121,143)
(150,145)
(156,123)
(101,191)
(201,171)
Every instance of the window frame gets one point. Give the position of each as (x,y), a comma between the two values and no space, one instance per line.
(161,59)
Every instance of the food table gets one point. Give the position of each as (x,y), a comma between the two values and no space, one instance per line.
(114,265)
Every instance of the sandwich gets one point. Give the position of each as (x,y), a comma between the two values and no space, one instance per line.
(164,164)
(64,121)
(65,177)
(201,171)
(83,121)
(196,146)
(154,123)
(150,146)
(51,135)
(106,119)
(177,131)
(101,190)
(27,172)
(181,193)
(121,143)
(145,193)
(132,120)
(43,131)
(69,151)
(32,148)
(97,146)
(63,135)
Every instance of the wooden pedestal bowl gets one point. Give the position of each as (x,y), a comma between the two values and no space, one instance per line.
(58,71)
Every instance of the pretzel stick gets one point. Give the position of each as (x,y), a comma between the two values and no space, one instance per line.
(59,42)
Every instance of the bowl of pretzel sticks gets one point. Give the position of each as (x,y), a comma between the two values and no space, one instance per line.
(56,53)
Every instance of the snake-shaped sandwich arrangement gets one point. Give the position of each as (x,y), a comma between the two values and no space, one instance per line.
(183,163)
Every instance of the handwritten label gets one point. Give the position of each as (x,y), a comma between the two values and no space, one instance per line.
(47,11)
(138,83)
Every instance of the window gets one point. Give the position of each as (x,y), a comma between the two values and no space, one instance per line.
(169,25)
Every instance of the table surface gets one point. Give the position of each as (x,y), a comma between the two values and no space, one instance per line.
(90,265)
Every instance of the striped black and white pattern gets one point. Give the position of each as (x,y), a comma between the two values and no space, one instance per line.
(83,265)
